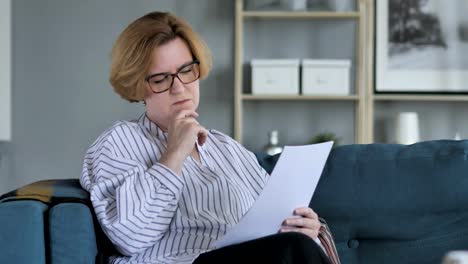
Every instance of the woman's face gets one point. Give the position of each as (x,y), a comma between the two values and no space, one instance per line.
(161,107)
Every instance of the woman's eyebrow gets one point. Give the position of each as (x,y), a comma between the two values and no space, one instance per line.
(178,69)
(185,64)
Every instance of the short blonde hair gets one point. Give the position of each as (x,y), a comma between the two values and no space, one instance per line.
(131,53)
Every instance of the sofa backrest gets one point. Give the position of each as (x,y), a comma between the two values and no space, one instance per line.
(388,203)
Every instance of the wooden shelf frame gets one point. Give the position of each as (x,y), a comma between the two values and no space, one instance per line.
(251,97)
(422,97)
(300,14)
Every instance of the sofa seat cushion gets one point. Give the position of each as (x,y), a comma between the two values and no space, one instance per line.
(22,232)
(72,234)
(395,203)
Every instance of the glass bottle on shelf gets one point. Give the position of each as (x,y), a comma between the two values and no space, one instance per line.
(273,147)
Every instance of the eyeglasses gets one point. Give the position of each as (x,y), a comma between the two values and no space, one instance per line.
(161,82)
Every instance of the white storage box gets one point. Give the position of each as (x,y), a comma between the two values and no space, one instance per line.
(325,77)
(276,77)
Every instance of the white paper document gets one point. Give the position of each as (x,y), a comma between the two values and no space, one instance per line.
(291,185)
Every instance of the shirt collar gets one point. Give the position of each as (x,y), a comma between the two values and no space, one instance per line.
(154,129)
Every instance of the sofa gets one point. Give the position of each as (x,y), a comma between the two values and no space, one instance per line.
(385,203)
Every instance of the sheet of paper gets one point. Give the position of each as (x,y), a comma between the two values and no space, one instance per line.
(291,185)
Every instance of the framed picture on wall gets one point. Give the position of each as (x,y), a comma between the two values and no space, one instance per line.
(421,46)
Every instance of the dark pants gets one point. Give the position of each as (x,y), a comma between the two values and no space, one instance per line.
(281,248)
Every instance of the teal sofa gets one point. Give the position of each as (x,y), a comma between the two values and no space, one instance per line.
(385,203)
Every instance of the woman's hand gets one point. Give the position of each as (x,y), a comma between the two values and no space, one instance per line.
(183,132)
(307,222)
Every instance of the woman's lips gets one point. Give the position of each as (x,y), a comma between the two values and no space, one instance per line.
(182,102)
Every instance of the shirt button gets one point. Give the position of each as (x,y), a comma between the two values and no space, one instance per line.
(353,243)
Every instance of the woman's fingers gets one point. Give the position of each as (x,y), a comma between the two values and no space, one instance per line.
(307,226)
(309,232)
(307,222)
(302,222)
(184,131)
(306,212)
(185,113)
(188,116)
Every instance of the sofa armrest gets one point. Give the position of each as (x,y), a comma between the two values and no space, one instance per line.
(72,234)
(22,232)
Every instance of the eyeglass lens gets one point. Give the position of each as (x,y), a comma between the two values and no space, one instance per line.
(163,82)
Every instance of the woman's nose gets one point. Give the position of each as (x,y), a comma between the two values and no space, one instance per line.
(177,86)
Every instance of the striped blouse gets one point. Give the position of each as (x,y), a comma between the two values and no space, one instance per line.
(155,216)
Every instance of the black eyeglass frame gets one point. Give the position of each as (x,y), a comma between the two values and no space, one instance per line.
(173,75)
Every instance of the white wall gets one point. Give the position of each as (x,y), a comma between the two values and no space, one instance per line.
(5,70)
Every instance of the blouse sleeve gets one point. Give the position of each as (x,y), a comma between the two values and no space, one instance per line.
(327,242)
(134,204)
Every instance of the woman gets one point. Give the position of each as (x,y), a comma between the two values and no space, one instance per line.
(163,187)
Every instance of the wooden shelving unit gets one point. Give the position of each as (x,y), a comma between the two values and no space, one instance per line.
(358,99)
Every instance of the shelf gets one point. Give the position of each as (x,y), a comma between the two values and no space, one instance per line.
(407,97)
(301,97)
(299,14)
